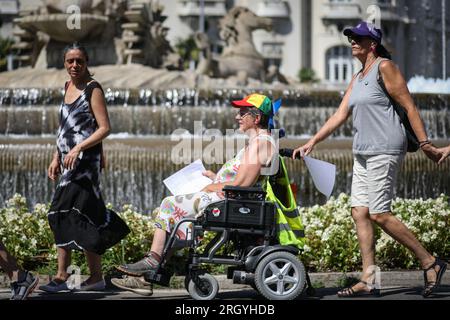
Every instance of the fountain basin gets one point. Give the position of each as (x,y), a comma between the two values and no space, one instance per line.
(56,26)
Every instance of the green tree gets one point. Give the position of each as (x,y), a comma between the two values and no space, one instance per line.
(188,51)
(306,75)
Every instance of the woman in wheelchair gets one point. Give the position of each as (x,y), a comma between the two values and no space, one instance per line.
(243,170)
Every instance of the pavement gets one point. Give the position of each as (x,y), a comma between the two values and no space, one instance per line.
(395,285)
(392,293)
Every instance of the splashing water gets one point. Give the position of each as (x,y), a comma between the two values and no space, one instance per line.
(420,84)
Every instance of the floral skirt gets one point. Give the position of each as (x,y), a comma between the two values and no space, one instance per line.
(80,221)
(175,208)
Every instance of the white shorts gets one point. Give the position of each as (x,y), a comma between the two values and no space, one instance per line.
(373,182)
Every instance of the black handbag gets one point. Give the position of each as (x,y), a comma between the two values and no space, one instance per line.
(413,142)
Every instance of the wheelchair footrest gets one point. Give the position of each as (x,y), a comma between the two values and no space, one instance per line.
(161,277)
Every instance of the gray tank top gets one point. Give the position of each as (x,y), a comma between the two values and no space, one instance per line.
(377,127)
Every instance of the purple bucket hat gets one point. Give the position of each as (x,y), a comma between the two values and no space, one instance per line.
(366,30)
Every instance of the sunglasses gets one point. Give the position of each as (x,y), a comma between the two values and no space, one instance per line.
(355,38)
(244,111)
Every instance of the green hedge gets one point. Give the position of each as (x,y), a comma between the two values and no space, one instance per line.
(332,244)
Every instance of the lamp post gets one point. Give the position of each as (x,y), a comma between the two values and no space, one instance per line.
(201,22)
(444,43)
(202,17)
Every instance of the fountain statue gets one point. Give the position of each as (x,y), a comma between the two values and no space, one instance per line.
(239,56)
(128,38)
(98,25)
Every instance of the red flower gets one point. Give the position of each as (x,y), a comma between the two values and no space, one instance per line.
(179,213)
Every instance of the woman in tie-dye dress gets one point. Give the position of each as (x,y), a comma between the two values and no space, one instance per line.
(243,170)
(78,216)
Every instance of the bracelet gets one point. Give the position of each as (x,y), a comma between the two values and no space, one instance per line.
(424,143)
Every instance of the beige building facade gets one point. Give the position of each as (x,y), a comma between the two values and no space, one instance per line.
(308,33)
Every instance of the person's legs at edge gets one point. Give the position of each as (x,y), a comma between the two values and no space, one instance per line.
(8,263)
(22,281)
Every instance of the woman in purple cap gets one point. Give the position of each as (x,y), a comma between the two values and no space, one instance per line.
(379,146)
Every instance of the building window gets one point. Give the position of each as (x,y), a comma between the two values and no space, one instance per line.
(339,64)
(272,53)
(272,50)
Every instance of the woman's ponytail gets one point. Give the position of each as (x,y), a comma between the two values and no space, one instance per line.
(382,52)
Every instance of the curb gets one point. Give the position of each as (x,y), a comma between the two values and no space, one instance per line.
(319,280)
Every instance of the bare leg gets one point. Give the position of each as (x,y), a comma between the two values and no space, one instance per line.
(95,267)
(8,263)
(397,230)
(365,233)
(64,260)
(159,240)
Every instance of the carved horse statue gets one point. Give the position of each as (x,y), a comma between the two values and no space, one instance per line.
(239,55)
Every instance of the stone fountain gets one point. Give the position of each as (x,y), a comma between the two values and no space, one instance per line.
(113,31)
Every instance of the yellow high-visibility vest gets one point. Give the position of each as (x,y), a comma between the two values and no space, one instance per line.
(290,230)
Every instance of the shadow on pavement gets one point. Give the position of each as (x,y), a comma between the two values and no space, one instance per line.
(399,293)
(95,295)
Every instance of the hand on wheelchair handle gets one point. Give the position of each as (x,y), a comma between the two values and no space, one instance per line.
(298,153)
(304,150)
(288,153)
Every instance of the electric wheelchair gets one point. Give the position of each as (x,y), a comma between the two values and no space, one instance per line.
(248,225)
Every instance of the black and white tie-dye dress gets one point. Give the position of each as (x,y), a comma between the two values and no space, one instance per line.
(78,216)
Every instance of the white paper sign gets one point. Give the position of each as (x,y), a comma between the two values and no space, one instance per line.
(322,173)
(188,180)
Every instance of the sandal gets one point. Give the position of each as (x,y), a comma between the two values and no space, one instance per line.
(431,286)
(349,292)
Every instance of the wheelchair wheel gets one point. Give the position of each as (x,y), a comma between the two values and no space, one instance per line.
(211,286)
(280,276)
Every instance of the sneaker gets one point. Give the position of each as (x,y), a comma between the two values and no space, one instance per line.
(133,284)
(22,288)
(97,286)
(54,286)
(138,269)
